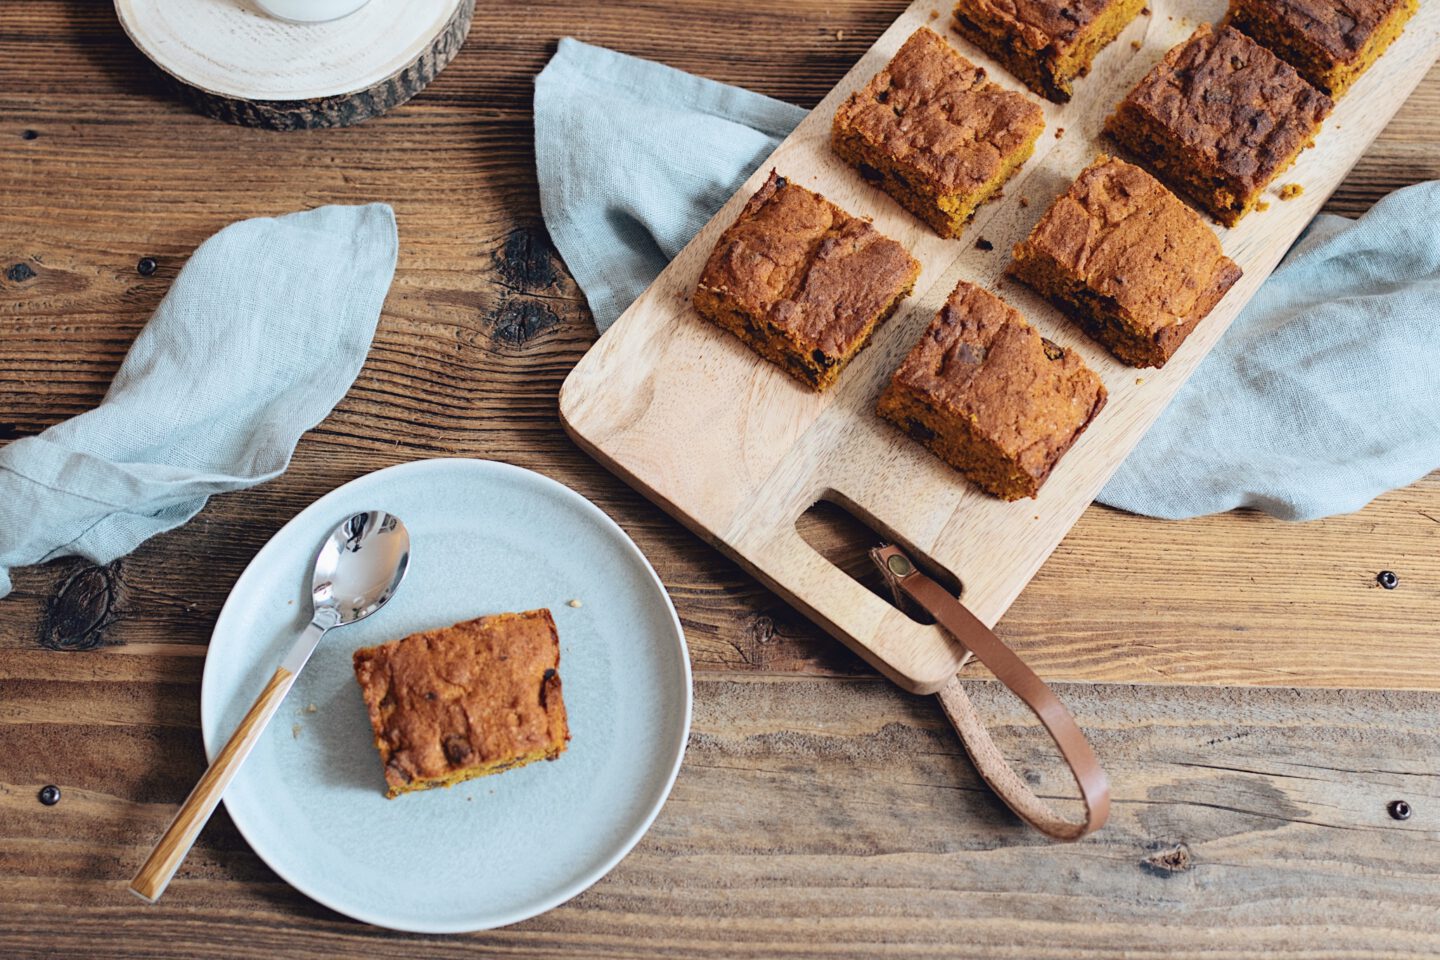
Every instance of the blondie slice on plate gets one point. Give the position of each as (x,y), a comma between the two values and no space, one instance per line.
(465,701)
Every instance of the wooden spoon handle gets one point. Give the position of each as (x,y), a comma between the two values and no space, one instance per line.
(152,878)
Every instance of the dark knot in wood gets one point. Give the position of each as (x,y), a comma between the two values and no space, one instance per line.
(526,260)
(760,630)
(1168,862)
(86,603)
(519,321)
(19,273)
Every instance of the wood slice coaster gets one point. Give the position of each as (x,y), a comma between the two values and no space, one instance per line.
(235,63)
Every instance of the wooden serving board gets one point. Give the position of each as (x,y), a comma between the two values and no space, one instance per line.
(737,450)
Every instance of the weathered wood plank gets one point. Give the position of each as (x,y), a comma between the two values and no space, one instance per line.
(829,818)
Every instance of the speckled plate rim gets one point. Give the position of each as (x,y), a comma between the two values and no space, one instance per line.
(582,882)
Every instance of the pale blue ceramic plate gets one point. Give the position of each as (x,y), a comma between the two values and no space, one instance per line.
(485,538)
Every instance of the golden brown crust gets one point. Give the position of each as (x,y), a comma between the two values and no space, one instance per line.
(1330,42)
(932,132)
(1340,29)
(1044,43)
(802,281)
(990,396)
(474,698)
(1219,118)
(1137,267)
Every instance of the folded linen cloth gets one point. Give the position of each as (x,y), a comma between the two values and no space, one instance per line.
(260,336)
(1322,395)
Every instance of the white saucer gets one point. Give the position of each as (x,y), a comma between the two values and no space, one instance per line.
(486,537)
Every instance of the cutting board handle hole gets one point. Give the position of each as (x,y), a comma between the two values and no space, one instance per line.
(837,531)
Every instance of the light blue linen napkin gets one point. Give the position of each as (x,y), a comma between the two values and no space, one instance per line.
(260,336)
(1323,394)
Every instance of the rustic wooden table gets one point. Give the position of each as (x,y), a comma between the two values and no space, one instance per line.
(820,811)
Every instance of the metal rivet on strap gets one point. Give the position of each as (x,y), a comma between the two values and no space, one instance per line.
(899,565)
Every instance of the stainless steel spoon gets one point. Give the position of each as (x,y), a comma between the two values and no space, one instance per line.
(358,569)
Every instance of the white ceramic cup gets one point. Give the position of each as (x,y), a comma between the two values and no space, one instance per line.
(310,11)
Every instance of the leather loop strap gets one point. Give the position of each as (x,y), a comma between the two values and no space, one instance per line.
(907,581)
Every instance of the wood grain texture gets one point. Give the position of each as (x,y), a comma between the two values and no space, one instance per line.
(820,811)
(232,62)
(737,450)
(818,818)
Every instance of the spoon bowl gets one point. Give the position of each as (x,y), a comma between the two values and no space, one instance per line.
(360,566)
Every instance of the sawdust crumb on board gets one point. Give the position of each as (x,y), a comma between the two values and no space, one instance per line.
(1290,191)
(1262,206)
(1134,44)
